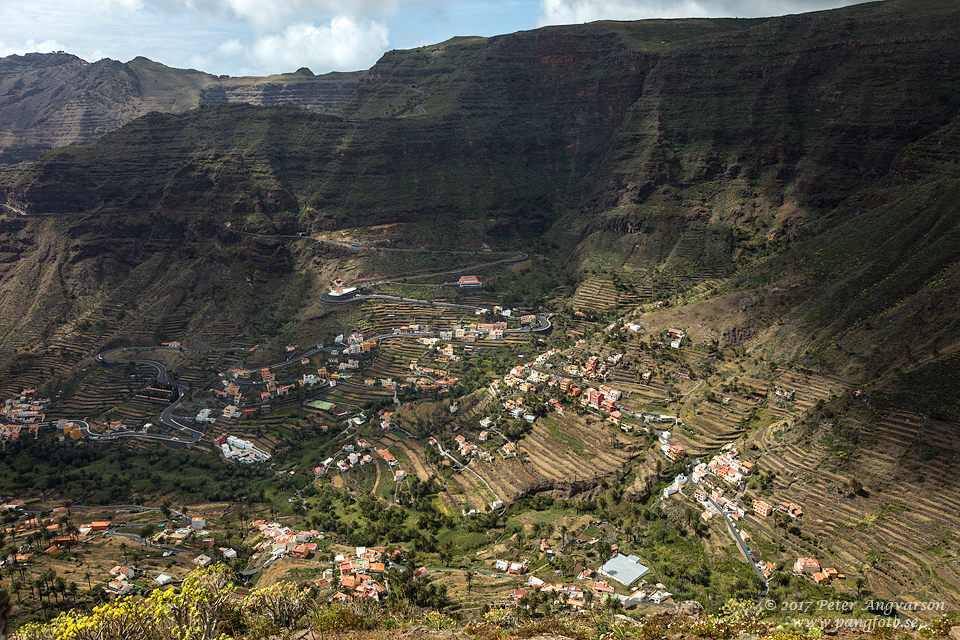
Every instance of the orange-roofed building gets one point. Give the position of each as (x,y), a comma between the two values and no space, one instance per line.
(387,456)
(807,565)
(761,508)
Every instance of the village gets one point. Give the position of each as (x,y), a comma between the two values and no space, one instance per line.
(553,380)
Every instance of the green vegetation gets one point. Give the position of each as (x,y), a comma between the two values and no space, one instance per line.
(770,186)
(82,474)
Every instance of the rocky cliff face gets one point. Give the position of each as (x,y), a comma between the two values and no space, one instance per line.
(56,100)
(695,142)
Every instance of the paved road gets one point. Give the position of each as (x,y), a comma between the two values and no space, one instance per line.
(190,435)
(459,466)
(738,539)
(518,256)
(543,325)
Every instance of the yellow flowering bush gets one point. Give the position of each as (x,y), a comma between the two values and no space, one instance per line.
(125,618)
(283,603)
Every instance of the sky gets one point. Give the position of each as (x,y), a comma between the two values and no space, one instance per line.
(262,37)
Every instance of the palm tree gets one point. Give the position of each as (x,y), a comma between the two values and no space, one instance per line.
(61,585)
(48,578)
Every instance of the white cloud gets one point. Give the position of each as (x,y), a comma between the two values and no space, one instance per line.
(343,44)
(259,37)
(98,6)
(230,48)
(272,15)
(575,11)
(29,46)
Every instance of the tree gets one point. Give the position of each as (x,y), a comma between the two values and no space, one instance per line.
(446,555)
(17,586)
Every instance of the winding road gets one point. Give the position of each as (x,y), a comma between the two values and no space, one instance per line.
(190,435)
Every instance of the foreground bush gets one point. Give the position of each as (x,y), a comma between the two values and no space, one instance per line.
(207,607)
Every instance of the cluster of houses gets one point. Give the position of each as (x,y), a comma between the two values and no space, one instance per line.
(811,567)
(358,458)
(233,393)
(626,570)
(765,510)
(24,412)
(176,537)
(120,581)
(431,378)
(784,394)
(595,367)
(357,345)
(353,457)
(512,568)
(69,428)
(234,448)
(468,449)
(410,329)
(121,577)
(280,541)
(470,332)
(728,466)
(673,452)
(526,378)
(360,575)
(676,337)
(603,399)
(57,542)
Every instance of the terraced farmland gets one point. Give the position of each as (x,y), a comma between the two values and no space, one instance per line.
(102,389)
(595,295)
(562,449)
(908,509)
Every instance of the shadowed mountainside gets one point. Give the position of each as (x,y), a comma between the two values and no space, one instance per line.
(815,154)
(57,99)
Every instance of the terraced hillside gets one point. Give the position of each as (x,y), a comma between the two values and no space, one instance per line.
(900,530)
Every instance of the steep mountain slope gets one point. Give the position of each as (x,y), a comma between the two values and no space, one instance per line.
(817,153)
(57,99)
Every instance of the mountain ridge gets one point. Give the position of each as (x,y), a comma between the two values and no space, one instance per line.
(58,99)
